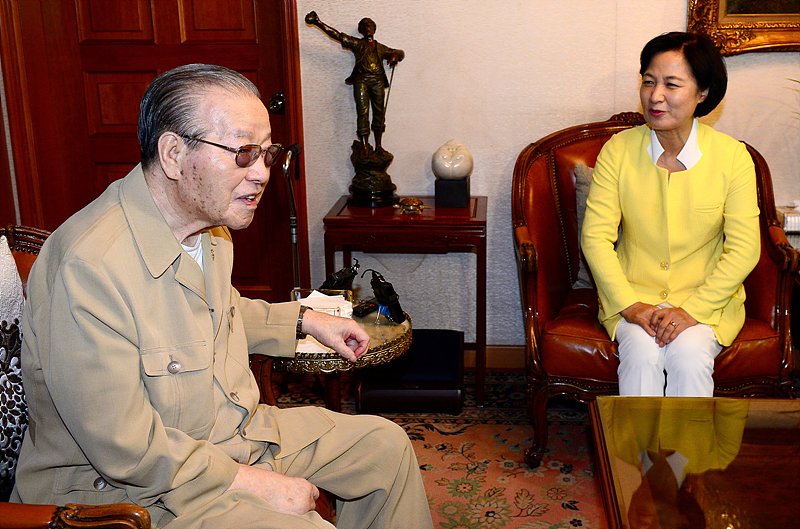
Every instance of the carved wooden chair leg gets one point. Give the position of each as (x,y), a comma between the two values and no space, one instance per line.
(537,413)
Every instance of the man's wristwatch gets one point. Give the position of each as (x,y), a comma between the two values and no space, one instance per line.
(299,331)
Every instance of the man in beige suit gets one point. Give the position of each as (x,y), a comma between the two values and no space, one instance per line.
(135,353)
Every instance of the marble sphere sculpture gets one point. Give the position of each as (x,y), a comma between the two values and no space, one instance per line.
(452,161)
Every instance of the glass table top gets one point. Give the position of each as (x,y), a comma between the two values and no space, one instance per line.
(699,462)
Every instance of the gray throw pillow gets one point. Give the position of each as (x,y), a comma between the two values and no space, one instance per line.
(583,179)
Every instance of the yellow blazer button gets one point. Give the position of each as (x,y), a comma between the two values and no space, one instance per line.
(665,265)
(664,294)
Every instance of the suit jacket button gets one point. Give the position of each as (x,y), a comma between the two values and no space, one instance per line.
(99,484)
(234,396)
(174,367)
(233,311)
(664,294)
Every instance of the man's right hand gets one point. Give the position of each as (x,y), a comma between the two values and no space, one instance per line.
(287,494)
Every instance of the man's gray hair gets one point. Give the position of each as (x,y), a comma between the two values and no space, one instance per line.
(170,103)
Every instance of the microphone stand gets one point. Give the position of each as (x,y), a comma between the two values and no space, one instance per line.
(292,151)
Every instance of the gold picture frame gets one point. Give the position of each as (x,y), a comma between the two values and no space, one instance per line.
(736,27)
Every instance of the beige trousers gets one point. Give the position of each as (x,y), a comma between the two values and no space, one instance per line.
(366,461)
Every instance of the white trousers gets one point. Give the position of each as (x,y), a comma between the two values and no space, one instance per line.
(682,368)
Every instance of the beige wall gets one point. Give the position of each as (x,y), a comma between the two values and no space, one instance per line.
(497,75)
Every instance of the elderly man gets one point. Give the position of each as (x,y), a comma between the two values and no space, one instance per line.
(135,353)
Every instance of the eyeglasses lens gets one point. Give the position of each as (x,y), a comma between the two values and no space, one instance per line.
(249,154)
(271,154)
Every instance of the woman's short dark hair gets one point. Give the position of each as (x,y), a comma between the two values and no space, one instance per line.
(704,60)
(170,103)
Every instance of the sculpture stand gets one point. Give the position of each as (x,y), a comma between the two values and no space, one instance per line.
(452,193)
(372,186)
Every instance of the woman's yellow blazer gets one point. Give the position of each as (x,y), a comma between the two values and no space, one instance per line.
(688,239)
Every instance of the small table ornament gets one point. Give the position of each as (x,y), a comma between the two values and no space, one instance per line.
(452,164)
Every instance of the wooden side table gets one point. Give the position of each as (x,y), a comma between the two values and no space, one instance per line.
(387,341)
(433,230)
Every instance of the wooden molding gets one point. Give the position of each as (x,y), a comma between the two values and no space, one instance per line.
(19,112)
(503,357)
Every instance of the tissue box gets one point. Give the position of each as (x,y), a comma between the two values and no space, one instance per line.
(428,378)
(335,302)
(790,217)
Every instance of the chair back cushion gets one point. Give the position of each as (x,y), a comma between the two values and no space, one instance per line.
(13,409)
(11,296)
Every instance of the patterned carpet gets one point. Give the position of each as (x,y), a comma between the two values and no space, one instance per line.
(472,463)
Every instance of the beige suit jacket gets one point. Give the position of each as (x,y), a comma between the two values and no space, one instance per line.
(136,366)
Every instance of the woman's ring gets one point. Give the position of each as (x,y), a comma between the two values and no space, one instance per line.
(673,324)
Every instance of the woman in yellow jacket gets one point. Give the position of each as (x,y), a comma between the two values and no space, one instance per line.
(683,199)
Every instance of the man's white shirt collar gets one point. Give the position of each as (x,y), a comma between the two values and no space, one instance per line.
(689,155)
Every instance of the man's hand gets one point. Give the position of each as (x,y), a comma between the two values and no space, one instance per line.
(287,494)
(343,335)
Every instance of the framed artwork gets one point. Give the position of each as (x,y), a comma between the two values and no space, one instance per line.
(739,26)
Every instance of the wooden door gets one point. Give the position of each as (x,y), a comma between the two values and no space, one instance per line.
(75,70)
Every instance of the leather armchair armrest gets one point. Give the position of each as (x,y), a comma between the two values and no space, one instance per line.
(114,516)
(526,250)
(791,257)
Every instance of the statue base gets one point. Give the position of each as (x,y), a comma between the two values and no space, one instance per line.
(372,199)
(372,186)
(452,193)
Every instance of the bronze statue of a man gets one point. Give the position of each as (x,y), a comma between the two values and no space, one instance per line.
(368,78)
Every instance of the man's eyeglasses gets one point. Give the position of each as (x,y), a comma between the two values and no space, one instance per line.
(247,155)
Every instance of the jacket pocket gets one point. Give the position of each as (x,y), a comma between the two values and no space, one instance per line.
(706,209)
(85,480)
(180,384)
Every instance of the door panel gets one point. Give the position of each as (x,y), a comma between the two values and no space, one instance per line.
(84,66)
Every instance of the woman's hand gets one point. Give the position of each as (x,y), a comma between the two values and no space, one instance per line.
(669,322)
(662,324)
(641,314)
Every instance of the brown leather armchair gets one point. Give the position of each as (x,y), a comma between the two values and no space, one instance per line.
(568,353)
(25,244)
